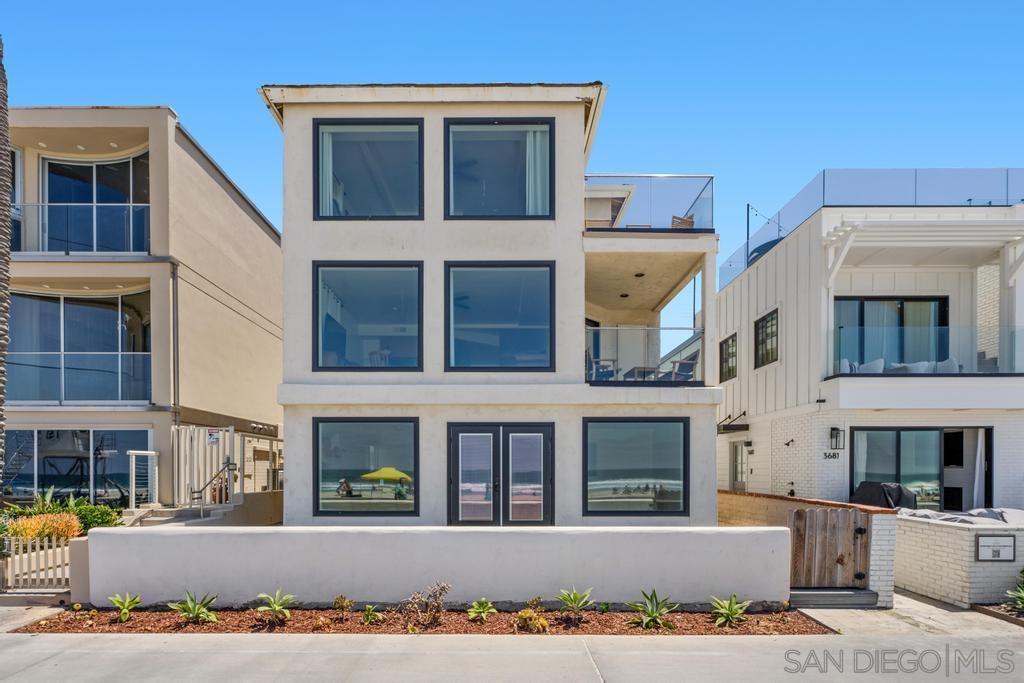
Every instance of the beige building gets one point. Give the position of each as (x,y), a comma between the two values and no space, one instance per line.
(473,327)
(146,294)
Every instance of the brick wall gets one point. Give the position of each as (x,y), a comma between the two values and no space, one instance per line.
(937,559)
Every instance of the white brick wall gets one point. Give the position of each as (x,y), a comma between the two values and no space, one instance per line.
(882,571)
(937,559)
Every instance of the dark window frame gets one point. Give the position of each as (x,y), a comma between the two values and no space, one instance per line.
(317,421)
(315,296)
(941,300)
(449,265)
(899,447)
(499,121)
(760,344)
(732,338)
(685,512)
(317,122)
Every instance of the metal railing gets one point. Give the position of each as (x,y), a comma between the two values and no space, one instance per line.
(148,475)
(888,187)
(79,377)
(644,354)
(659,202)
(80,228)
(926,350)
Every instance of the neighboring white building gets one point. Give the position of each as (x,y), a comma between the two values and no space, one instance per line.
(872,331)
(472,327)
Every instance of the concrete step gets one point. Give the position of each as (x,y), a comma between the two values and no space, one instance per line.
(35,597)
(836,598)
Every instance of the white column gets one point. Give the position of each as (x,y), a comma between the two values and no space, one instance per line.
(709,315)
(1011,311)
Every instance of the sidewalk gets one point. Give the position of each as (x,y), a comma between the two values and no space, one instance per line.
(456,658)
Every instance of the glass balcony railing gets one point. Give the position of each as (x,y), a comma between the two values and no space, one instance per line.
(925,350)
(78,228)
(78,377)
(889,187)
(658,202)
(644,354)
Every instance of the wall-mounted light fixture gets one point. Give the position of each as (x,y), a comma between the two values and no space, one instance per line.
(790,442)
(836,439)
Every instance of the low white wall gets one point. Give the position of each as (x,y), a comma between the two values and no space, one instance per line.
(386,564)
(937,559)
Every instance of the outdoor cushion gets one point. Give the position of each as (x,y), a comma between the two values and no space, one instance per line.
(924,367)
(845,368)
(950,366)
(875,367)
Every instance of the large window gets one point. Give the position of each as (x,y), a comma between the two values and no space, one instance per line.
(368,169)
(79,349)
(101,206)
(911,457)
(500,316)
(895,334)
(366,466)
(87,464)
(499,168)
(635,466)
(368,316)
(727,359)
(766,339)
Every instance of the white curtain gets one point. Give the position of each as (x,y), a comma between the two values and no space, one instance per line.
(327,175)
(979,472)
(537,166)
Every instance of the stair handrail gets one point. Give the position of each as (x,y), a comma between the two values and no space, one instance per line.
(132,455)
(199,494)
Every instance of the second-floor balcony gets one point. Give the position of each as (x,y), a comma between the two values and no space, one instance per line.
(904,350)
(74,228)
(624,354)
(652,202)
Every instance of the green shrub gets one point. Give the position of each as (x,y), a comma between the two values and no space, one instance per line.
(343,604)
(480,610)
(573,604)
(1016,598)
(535,603)
(276,606)
(196,611)
(371,615)
(729,612)
(125,606)
(653,611)
(90,516)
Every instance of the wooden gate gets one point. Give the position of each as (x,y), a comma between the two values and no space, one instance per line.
(831,548)
(35,563)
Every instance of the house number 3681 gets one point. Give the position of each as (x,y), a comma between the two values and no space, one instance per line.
(831,455)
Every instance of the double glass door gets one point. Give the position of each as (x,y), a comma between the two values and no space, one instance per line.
(500,474)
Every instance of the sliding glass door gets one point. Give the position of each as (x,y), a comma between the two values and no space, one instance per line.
(893,330)
(908,456)
(500,474)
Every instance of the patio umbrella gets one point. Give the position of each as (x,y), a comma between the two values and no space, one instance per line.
(386,474)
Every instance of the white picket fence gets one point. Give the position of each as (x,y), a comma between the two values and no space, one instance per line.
(35,563)
(198,454)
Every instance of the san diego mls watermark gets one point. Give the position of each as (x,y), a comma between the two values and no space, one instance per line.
(947,661)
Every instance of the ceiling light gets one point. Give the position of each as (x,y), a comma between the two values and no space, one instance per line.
(114,145)
(43,145)
(639,274)
(80,148)
(120,286)
(46,286)
(86,287)
(623,296)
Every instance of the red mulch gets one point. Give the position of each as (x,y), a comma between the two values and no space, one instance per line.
(331,621)
(1001,611)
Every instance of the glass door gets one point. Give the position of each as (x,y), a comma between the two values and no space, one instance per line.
(500,474)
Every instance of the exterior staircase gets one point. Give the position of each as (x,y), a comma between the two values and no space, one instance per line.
(160,515)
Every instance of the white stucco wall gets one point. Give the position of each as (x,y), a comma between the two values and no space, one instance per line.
(568,451)
(386,564)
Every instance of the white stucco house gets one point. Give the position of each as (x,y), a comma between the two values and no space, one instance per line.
(871,331)
(473,328)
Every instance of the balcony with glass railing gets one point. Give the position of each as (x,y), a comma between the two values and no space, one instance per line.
(80,228)
(59,378)
(643,203)
(900,351)
(644,355)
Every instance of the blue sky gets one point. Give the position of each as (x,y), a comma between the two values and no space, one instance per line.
(762,95)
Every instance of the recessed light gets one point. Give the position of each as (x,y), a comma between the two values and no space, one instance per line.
(114,145)
(86,287)
(623,296)
(43,145)
(80,148)
(120,286)
(639,274)
(46,286)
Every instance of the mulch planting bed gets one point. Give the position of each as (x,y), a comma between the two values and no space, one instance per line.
(331,621)
(1004,612)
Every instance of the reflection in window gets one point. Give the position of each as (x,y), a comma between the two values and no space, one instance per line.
(727,359)
(368,317)
(499,170)
(366,468)
(112,479)
(369,170)
(64,461)
(500,317)
(18,475)
(766,339)
(911,457)
(635,467)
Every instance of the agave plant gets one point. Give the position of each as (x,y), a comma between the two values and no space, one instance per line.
(573,604)
(653,611)
(194,609)
(729,612)
(276,606)
(480,610)
(125,606)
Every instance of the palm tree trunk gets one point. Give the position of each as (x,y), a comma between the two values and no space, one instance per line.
(6,173)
